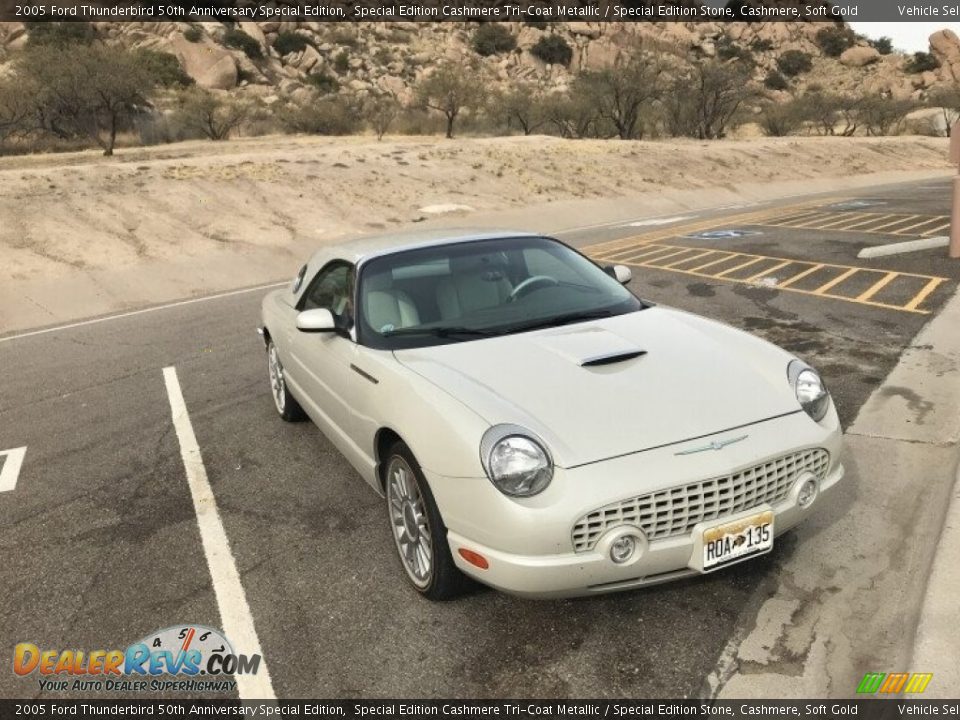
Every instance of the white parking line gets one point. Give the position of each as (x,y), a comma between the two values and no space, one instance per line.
(131,313)
(232,601)
(10,467)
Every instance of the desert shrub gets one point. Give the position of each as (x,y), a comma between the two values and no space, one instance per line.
(60,34)
(552,49)
(624,97)
(833,40)
(193,34)
(883,45)
(336,115)
(215,116)
(708,100)
(323,82)
(727,49)
(776,81)
(289,42)
(921,62)
(794,62)
(519,106)
(381,111)
(761,44)
(238,39)
(780,119)
(341,62)
(884,115)
(572,116)
(164,67)
(947,100)
(345,36)
(492,39)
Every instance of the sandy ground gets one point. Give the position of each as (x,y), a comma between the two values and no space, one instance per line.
(184,215)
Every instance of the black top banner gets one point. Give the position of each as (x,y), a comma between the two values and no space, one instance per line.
(893,708)
(483,10)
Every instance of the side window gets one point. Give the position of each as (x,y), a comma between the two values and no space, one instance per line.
(332,289)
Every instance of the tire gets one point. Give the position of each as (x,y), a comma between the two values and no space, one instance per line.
(287,406)
(411,509)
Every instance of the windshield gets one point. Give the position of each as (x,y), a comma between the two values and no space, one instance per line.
(465,291)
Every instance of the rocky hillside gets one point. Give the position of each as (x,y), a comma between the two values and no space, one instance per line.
(270,61)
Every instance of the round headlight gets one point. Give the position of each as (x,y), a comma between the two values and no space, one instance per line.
(811,392)
(516,463)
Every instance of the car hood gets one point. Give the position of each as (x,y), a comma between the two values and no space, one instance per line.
(609,387)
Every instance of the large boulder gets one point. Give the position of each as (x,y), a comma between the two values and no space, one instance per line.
(859,56)
(208,64)
(945,46)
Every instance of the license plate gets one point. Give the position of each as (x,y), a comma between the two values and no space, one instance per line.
(727,543)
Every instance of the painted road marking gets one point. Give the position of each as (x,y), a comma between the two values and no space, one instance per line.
(131,313)
(863,222)
(652,255)
(11,461)
(231,599)
(659,221)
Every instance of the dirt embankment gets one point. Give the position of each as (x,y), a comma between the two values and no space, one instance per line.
(202,205)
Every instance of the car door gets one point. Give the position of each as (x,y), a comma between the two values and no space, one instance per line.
(321,361)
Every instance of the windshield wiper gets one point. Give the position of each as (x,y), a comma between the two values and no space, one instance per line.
(558,320)
(443,332)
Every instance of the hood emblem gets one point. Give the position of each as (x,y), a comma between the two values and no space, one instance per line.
(715,445)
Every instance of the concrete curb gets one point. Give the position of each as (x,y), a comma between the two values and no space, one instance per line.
(937,641)
(904,247)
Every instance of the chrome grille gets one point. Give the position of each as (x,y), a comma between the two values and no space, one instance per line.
(675,511)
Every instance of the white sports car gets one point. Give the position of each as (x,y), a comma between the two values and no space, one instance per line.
(534,425)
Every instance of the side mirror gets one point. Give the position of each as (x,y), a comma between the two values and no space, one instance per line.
(317,320)
(621,273)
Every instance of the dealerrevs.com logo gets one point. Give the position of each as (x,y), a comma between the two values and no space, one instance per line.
(173,658)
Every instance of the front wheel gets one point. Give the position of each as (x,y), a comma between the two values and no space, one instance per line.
(286,404)
(418,530)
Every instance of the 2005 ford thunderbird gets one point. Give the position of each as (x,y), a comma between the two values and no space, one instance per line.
(537,427)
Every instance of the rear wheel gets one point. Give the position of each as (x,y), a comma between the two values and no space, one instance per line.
(418,530)
(285,403)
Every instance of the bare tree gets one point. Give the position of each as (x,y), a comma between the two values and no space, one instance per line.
(86,90)
(947,100)
(781,119)
(381,111)
(521,105)
(451,89)
(18,111)
(622,95)
(884,115)
(706,101)
(571,116)
(214,116)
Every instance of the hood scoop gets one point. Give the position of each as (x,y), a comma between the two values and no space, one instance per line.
(611,358)
(589,346)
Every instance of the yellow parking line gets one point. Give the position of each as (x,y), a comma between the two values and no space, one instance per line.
(938,218)
(836,281)
(681,251)
(850,217)
(905,218)
(656,255)
(936,229)
(695,257)
(814,222)
(768,271)
(794,217)
(644,250)
(730,256)
(737,267)
(875,218)
(800,276)
(931,285)
(877,286)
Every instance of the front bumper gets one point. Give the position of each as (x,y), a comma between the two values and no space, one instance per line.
(528,544)
(588,573)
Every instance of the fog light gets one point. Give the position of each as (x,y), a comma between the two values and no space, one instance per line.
(808,493)
(622,549)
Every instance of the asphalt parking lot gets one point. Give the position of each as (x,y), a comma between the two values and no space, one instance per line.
(100,535)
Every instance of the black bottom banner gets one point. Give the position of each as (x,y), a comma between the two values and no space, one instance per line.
(874,709)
